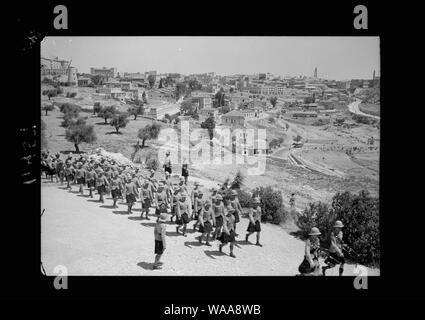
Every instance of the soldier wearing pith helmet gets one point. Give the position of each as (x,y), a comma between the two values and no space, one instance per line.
(336,255)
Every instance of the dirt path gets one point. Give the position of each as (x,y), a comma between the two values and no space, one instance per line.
(91,238)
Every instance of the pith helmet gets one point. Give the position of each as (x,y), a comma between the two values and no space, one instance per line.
(338,224)
(218,197)
(314,232)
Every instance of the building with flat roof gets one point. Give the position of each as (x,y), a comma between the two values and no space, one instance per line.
(105,72)
(233,119)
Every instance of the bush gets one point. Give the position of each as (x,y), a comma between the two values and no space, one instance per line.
(69,107)
(360,215)
(272,206)
(245,198)
(152,163)
(71,94)
(316,215)
(238,181)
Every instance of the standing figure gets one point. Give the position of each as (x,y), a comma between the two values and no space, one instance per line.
(218,209)
(185,170)
(175,202)
(101,183)
(336,256)
(116,188)
(234,202)
(146,198)
(182,214)
(198,207)
(80,175)
(167,163)
(254,221)
(130,193)
(206,221)
(310,264)
(160,199)
(228,234)
(160,232)
(91,180)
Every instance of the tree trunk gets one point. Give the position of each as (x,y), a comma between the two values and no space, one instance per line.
(135,116)
(106,120)
(117,128)
(76,148)
(46,112)
(143,143)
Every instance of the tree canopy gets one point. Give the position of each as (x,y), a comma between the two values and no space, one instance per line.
(149,132)
(119,121)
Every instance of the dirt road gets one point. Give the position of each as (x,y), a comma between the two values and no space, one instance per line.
(91,238)
(354,108)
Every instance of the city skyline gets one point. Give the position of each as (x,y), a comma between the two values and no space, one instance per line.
(337,58)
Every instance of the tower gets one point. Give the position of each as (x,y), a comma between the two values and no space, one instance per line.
(315,72)
(373,75)
(72,76)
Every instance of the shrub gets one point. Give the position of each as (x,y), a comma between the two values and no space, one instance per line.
(360,215)
(71,94)
(97,107)
(316,215)
(271,204)
(238,181)
(152,163)
(244,198)
(69,118)
(69,107)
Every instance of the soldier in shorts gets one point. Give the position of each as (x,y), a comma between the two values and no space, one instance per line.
(206,221)
(254,221)
(218,209)
(336,256)
(228,234)
(182,214)
(147,198)
(160,232)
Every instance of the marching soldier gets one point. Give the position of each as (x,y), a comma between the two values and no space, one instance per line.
(101,183)
(146,198)
(254,221)
(228,234)
(130,193)
(218,209)
(336,256)
(234,202)
(182,214)
(198,204)
(116,187)
(160,232)
(80,175)
(310,264)
(167,163)
(206,221)
(91,180)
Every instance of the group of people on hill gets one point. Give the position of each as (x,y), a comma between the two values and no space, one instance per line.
(215,213)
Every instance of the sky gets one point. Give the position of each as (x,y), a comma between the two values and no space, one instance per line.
(337,58)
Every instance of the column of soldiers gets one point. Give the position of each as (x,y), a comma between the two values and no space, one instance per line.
(215,213)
